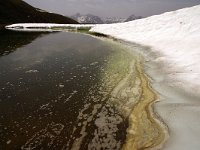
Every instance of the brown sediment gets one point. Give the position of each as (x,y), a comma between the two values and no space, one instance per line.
(145,130)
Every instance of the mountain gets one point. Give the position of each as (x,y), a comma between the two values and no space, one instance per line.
(18,11)
(132,17)
(92,19)
(87,19)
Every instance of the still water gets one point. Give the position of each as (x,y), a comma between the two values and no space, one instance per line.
(58,91)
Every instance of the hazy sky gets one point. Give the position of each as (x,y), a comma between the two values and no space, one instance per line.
(112,8)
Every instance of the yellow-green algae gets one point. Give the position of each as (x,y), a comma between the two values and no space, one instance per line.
(133,97)
(145,130)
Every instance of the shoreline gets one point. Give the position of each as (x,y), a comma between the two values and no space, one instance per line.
(172,103)
(176,110)
(150,131)
(172,63)
(147,131)
(148,124)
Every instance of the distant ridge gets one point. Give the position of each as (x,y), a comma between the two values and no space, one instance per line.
(87,19)
(18,11)
(92,19)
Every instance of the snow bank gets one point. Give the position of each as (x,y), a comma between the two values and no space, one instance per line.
(175,36)
(47,25)
(43,27)
(175,39)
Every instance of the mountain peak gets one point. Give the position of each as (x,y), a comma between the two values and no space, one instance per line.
(92,19)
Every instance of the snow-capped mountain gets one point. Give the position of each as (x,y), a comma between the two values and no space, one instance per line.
(92,19)
(87,19)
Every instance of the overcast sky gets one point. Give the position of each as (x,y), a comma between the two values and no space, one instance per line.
(112,8)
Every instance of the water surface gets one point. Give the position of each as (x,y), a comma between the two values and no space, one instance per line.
(64,91)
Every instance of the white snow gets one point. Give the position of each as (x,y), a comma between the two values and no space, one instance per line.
(42,26)
(175,39)
(174,35)
(25,25)
(32,71)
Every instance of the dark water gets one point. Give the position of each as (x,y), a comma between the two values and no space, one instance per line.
(55,91)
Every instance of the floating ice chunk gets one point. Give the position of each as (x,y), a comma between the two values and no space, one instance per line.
(61,85)
(44,106)
(8,142)
(94,63)
(32,71)
(71,95)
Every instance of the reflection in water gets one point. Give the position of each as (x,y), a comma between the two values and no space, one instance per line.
(58,93)
(72,91)
(10,41)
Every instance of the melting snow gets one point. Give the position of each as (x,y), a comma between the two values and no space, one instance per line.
(174,35)
(175,38)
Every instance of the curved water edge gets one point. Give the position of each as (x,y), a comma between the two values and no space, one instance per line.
(120,93)
(146,129)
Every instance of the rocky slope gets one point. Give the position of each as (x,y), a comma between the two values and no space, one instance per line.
(18,11)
